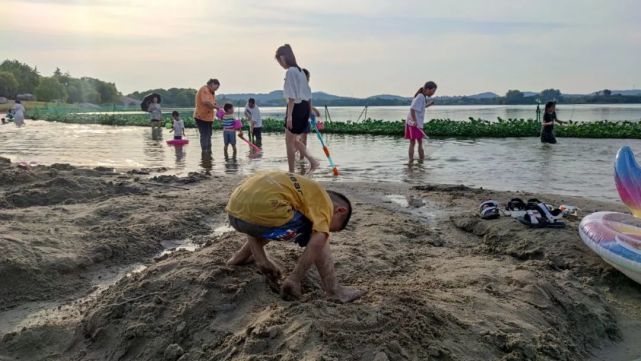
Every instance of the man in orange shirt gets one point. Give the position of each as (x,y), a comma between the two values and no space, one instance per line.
(204,112)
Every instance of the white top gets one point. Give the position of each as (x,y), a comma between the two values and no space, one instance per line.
(154,111)
(253,114)
(179,127)
(418,104)
(296,85)
(18,111)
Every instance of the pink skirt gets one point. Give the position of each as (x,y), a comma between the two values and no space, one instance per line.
(413,132)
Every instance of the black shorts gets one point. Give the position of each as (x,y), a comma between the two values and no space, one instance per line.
(300,118)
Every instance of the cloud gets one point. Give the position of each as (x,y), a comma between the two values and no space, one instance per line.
(354,47)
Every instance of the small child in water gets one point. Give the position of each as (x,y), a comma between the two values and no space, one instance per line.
(178,126)
(229,131)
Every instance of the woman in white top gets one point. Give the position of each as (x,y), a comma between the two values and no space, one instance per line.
(416,118)
(299,105)
(18,113)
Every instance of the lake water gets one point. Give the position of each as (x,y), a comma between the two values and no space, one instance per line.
(586,113)
(580,167)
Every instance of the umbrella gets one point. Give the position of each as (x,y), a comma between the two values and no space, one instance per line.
(147,100)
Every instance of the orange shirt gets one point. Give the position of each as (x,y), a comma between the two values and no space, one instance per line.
(202,111)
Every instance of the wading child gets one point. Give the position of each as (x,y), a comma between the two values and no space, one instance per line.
(299,105)
(229,131)
(179,126)
(549,118)
(416,119)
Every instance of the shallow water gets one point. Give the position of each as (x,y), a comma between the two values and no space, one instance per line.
(581,167)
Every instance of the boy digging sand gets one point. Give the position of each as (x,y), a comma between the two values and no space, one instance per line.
(279,206)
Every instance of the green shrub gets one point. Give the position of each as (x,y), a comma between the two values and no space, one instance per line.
(472,128)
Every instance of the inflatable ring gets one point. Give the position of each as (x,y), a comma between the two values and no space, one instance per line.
(178,141)
(616,237)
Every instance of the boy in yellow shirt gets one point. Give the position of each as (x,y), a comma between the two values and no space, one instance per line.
(279,206)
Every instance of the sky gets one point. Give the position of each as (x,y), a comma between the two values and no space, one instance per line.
(352,47)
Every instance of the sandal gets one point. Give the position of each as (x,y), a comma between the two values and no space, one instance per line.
(541,217)
(489,210)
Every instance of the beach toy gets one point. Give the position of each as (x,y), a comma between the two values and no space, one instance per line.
(251,145)
(616,237)
(178,142)
(238,125)
(220,113)
(325,149)
(627,178)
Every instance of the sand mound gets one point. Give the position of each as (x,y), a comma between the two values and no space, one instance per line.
(61,223)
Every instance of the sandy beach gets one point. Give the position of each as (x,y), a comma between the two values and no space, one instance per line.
(103,265)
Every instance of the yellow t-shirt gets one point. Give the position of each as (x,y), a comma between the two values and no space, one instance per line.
(202,111)
(270,198)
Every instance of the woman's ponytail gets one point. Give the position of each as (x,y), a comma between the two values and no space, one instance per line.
(419,91)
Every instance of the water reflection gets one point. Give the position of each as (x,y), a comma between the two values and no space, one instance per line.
(231,164)
(180,157)
(206,162)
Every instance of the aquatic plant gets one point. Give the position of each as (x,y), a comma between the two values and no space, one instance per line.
(471,128)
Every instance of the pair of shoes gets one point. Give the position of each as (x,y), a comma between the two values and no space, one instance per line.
(541,215)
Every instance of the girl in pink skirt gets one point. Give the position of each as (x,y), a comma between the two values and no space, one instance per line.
(416,118)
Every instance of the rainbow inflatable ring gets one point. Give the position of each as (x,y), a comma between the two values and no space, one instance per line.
(616,237)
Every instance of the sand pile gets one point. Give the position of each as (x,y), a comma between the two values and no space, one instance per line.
(443,285)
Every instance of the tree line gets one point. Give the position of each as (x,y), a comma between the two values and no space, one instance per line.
(18,78)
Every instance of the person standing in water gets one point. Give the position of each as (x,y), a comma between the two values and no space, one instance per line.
(416,118)
(547,128)
(204,112)
(299,106)
(252,113)
(18,113)
(155,113)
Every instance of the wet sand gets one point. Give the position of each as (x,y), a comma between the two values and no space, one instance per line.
(84,277)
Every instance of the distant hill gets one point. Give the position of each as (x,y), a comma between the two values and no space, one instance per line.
(631,92)
(486,95)
(185,97)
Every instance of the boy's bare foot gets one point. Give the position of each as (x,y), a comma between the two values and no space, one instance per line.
(291,289)
(346,294)
(313,166)
(240,259)
(242,256)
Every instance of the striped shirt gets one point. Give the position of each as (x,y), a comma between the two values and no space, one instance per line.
(228,122)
